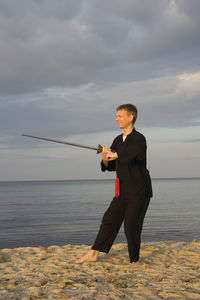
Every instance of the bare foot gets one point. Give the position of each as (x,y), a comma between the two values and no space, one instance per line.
(90,256)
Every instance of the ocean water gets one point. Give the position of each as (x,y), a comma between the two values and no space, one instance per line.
(43,213)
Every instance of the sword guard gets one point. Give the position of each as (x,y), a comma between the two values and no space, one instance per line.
(99,149)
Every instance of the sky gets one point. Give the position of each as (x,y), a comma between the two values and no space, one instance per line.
(66,65)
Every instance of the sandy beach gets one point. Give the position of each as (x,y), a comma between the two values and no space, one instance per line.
(166,270)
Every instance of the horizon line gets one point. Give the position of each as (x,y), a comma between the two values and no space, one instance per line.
(97,179)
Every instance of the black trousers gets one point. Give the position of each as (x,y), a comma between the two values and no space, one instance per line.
(131,209)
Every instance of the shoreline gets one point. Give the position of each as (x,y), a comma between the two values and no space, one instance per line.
(166,270)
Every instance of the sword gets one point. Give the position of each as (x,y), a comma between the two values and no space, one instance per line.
(98,149)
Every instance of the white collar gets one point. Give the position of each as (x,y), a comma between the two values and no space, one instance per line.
(124,137)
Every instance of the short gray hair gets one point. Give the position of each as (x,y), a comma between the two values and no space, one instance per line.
(130,108)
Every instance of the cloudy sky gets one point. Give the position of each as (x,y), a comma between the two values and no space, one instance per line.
(66,65)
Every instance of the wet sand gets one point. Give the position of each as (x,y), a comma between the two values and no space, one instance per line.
(166,270)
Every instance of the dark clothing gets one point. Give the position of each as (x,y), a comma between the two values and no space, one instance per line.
(131,163)
(135,193)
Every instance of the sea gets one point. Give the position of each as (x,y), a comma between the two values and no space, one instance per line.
(44,213)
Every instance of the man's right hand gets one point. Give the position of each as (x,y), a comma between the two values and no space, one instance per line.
(105,152)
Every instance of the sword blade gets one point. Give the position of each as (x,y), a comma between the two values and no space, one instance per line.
(98,149)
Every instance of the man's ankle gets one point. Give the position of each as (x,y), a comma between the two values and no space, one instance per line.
(94,252)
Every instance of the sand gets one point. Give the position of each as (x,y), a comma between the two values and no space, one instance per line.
(166,270)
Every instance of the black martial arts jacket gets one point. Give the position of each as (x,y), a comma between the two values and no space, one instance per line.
(131,163)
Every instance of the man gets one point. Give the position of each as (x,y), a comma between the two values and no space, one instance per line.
(127,156)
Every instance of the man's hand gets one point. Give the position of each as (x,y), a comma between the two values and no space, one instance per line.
(112,155)
(105,152)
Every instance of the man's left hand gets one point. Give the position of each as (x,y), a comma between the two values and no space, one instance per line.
(112,155)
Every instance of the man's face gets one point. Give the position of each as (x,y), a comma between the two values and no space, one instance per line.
(123,118)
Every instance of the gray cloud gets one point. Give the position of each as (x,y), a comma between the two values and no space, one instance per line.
(66,65)
(65,9)
(166,102)
(192,141)
(68,43)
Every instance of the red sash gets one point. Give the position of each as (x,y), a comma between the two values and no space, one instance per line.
(117,183)
(117,187)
